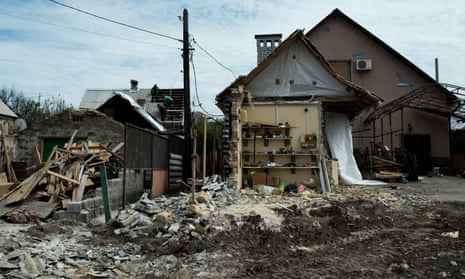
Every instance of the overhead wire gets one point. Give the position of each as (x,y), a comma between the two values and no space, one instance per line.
(211,115)
(214,59)
(85,31)
(139,29)
(116,22)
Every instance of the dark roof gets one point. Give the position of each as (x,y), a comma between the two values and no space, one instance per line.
(129,111)
(352,106)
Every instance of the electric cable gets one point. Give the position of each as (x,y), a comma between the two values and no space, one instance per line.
(216,60)
(116,22)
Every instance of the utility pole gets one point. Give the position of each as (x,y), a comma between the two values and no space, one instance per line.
(187,157)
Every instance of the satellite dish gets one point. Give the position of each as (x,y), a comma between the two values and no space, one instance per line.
(19,125)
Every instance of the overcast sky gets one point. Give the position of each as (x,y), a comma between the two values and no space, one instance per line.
(48,50)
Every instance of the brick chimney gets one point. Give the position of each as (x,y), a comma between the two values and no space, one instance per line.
(134,85)
(266,44)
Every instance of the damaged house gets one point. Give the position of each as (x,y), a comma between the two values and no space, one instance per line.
(288,120)
(62,159)
(415,116)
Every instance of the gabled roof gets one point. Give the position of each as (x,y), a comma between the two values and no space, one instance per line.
(93,98)
(338,13)
(316,79)
(120,100)
(426,98)
(6,111)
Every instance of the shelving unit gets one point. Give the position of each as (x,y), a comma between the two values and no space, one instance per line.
(267,156)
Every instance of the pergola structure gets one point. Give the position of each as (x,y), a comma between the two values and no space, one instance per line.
(440,99)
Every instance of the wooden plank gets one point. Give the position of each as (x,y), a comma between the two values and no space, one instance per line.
(114,150)
(118,147)
(51,185)
(63,177)
(26,186)
(37,156)
(9,167)
(52,153)
(71,140)
(5,187)
(78,192)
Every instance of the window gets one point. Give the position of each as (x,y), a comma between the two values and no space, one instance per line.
(402,82)
(77,118)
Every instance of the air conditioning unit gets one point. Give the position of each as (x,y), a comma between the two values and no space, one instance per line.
(363,64)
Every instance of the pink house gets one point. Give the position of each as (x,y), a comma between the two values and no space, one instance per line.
(415,115)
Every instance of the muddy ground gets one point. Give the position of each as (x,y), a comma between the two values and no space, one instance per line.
(412,230)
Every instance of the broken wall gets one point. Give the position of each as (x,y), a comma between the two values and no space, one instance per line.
(90,124)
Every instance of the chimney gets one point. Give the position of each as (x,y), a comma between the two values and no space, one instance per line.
(134,85)
(266,44)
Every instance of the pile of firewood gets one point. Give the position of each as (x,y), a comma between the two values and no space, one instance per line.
(66,174)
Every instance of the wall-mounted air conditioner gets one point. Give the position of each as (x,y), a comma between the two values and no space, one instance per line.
(363,64)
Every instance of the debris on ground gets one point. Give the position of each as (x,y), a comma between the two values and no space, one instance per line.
(70,173)
(353,232)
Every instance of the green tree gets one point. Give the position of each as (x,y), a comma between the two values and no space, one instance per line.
(30,110)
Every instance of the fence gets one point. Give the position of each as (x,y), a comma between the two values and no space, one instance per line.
(158,156)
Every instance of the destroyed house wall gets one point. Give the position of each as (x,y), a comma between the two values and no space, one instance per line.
(90,124)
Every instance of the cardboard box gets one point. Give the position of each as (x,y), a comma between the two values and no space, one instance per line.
(272,180)
(258,178)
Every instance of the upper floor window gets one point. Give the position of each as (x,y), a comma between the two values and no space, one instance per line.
(401,81)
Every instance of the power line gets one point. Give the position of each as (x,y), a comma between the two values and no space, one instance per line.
(197,92)
(216,60)
(85,31)
(116,22)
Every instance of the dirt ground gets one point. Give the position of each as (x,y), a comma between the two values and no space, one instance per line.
(420,234)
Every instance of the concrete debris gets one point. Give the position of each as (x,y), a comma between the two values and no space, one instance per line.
(22,215)
(218,208)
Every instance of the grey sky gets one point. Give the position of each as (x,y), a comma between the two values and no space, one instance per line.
(47,49)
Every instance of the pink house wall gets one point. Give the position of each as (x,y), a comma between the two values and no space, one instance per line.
(340,41)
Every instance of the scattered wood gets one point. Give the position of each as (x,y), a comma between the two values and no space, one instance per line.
(383,164)
(9,166)
(389,176)
(66,175)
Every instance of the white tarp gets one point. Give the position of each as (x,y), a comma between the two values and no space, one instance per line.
(296,72)
(339,135)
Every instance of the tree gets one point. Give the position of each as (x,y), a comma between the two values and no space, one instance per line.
(30,110)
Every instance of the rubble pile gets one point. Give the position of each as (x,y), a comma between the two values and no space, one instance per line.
(180,216)
(69,174)
(172,221)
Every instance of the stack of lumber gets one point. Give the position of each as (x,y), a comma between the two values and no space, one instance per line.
(378,163)
(389,176)
(65,175)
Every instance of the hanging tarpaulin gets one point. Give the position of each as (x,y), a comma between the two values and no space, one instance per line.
(339,134)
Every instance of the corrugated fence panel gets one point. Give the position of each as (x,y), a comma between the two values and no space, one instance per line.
(138,148)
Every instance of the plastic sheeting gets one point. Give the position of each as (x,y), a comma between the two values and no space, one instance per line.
(296,72)
(339,135)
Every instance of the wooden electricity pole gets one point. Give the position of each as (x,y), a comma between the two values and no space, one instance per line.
(187,157)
